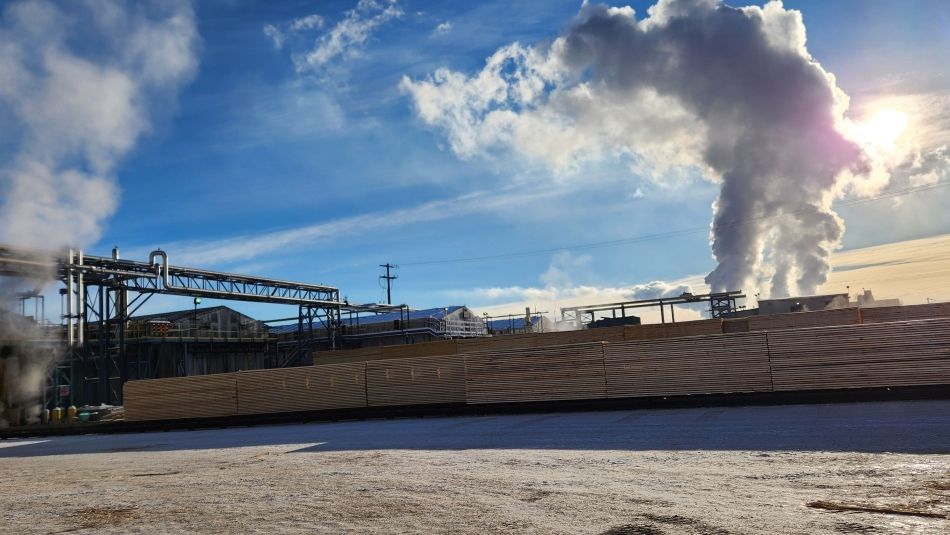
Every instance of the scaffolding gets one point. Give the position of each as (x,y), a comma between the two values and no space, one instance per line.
(721,305)
(100,294)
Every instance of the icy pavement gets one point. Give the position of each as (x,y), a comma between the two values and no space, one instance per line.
(711,470)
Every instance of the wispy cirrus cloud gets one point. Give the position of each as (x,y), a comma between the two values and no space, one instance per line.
(443,28)
(247,247)
(343,40)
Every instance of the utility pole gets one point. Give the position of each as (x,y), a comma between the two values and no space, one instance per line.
(389,281)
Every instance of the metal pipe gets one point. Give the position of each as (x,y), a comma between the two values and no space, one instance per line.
(162,272)
(69,301)
(81,310)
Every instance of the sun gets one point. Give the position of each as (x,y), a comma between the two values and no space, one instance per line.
(884,127)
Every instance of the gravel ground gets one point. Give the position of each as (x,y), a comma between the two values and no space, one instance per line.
(709,471)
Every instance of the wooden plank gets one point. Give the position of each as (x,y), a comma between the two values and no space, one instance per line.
(566,372)
(655,331)
(905,313)
(861,356)
(729,363)
(416,381)
(200,396)
(580,336)
(305,388)
(818,318)
(738,325)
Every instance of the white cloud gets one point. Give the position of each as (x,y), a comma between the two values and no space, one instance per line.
(307,23)
(443,28)
(248,247)
(78,110)
(274,34)
(302,24)
(560,288)
(345,39)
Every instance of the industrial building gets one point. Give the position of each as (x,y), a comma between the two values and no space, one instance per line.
(402,327)
(811,303)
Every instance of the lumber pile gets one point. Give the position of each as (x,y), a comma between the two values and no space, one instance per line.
(306,388)
(794,320)
(859,356)
(363,354)
(905,313)
(416,381)
(201,396)
(738,325)
(698,365)
(536,374)
(656,331)
(507,341)
(600,334)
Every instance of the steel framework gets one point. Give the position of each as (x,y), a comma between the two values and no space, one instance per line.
(101,293)
(721,305)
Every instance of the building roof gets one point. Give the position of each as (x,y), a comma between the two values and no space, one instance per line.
(428,313)
(515,322)
(176,315)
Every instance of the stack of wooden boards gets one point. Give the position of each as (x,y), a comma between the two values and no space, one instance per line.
(901,353)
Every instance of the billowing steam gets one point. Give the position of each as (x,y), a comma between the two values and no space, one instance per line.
(79,82)
(77,87)
(732,92)
(27,356)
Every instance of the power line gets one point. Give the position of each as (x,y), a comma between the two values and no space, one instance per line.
(662,235)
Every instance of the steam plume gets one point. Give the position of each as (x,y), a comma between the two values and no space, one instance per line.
(78,83)
(78,86)
(730,91)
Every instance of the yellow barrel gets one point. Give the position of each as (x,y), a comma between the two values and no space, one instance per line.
(56,415)
(71,414)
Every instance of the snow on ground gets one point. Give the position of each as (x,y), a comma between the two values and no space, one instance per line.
(713,470)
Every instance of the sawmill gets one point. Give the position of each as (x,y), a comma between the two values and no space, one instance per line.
(215,362)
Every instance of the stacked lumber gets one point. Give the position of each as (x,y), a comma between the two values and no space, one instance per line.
(416,381)
(860,356)
(738,325)
(713,364)
(306,388)
(655,331)
(905,313)
(340,356)
(364,354)
(559,338)
(536,374)
(794,320)
(507,341)
(200,396)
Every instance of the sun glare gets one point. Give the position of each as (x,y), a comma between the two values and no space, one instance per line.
(885,127)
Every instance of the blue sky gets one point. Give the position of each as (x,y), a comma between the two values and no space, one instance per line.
(252,145)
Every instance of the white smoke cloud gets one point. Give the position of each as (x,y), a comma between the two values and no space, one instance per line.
(566,279)
(78,83)
(732,92)
(79,109)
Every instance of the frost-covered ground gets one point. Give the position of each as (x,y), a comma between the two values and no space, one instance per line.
(715,470)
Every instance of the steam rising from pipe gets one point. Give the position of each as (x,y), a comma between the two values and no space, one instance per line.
(79,82)
(732,92)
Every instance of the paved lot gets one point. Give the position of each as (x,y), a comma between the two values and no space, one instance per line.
(714,470)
